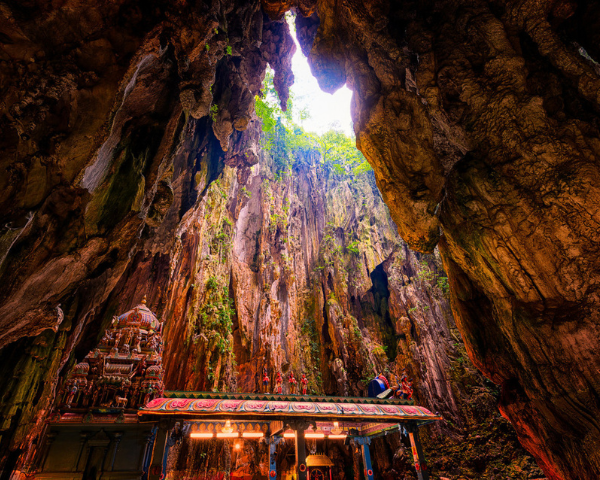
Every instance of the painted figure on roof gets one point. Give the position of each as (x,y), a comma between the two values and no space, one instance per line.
(406,387)
(304,382)
(265,381)
(278,384)
(293,383)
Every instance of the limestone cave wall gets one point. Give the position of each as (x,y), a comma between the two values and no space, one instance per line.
(480,119)
(303,271)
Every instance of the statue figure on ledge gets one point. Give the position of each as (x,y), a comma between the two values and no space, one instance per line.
(136,345)
(87,394)
(120,402)
(118,336)
(265,381)
(381,377)
(278,384)
(107,338)
(406,388)
(304,382)
(128,337)
(71,396)
(148,396)
(293,383)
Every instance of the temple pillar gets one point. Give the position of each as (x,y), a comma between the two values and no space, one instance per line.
(272,458)
(273,441)
(301,469)
(160,452)
(364,443)
(117,436)
(417,451)
(299,426)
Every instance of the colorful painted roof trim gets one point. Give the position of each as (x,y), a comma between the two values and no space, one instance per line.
(219,406)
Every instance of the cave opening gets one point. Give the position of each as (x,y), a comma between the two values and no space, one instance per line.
(317,111)
(381,297)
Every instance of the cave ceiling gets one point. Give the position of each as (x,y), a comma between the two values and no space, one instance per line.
(480,119)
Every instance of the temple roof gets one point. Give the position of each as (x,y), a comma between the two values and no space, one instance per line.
(139,316)
(277,406)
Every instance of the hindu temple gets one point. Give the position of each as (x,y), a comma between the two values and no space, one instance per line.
(113,419)
(301,239)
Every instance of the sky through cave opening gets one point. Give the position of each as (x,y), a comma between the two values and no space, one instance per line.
(312,121)
(325,111)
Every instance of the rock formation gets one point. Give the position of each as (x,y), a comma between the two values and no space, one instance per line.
(479,118)
(302,271)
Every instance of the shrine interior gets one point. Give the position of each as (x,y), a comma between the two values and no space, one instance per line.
(299,240)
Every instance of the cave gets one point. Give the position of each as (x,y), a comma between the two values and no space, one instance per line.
(380,306)
(135,163)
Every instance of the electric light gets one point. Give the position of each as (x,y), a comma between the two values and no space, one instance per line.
(337,437)
(314,435)
(227,428)
(289,435)
(201,435)
(228,435)
(253,434)
(336,430)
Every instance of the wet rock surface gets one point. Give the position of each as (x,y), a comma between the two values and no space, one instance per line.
(479,118)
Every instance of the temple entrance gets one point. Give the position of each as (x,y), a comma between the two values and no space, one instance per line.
(319,467)
(278,423)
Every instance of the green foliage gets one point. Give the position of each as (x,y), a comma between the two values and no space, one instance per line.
(214,109)
(212,283)
(288,142)
(425,273)
(443,285)
(247,193)
(309,330)
(353,247)
(339,151)
(380,351)
(228,50)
